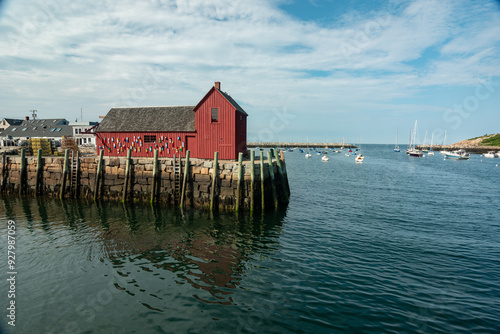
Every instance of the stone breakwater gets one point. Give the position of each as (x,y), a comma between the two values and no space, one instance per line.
(142,185)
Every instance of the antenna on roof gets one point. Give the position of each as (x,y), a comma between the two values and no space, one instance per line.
(33,113)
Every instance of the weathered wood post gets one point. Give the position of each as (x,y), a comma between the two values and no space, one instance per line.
(184,179)
(282,177)
(65,173)
(214,181)
(252,181)
(155,175)
(127,175)
(4,170)
(283,166)
(238,186)
(262,180)
(98,176)
(23,172)
(39,172)
(271,175)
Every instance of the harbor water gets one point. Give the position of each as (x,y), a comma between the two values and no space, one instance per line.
(395,244)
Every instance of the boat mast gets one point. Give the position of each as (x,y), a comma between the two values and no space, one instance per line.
(414,135)
(397,136)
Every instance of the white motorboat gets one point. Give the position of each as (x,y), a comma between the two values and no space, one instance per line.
(324,158)
(360,158)
(458,155)
(490,154)
(498,154)
(308,155)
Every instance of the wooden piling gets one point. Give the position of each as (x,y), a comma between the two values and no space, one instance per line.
(271,175)
(22,176)
(262,181)
(39,173)
(238,186)
(127,175)
(4,170)
(65,173)
(285,174)
(252,181)
(98,176)
(155,176)
(282,177)
(184,179)
(214,181)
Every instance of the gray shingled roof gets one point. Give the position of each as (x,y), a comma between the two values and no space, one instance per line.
(13,121)
(233,102)
(55,127)
(142,119)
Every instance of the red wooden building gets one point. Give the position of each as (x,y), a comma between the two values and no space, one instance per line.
(216,123)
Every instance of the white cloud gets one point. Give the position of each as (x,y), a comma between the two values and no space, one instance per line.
(61,54)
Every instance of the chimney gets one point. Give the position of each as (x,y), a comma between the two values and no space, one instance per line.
(27,118)
(217,85)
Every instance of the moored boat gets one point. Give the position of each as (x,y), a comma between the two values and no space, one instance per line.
(458,155)
(490,154)
(324,158)
(360,158)
(415,153)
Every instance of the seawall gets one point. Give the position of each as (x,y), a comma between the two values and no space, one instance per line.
(231,190)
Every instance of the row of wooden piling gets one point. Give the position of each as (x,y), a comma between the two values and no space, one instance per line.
(278,155)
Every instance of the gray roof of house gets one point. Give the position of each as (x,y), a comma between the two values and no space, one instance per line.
(149,119)
(233,102)
(55,127)
(13,121)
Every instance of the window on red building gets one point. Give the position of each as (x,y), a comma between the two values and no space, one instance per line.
(150,139)
(215,114)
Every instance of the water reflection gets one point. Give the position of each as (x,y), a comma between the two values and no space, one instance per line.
(154,248)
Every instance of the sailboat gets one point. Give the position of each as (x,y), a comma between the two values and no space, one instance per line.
(424,149)
(431,152)
(412,151)
(443,152)
(396,148)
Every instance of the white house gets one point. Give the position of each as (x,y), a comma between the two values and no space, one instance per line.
(78,133)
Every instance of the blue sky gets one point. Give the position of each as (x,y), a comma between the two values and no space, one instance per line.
(303,70)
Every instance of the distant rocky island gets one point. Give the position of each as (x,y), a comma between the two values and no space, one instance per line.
(486,141)
(477,145)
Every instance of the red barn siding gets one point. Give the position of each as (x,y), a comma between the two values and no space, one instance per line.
(228,136)
(216,136)
(241,133)
(167,143)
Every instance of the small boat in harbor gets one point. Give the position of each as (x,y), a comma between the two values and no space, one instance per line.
(431,151)
(412,148)
(360,158)
(308,155)
(458,155)
(396,148)
(324,158)
(415,153)
(444,152)
(490,154)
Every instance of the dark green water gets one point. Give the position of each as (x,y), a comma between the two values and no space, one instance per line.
(396,244)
